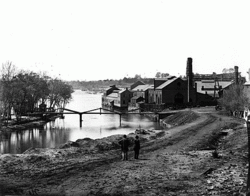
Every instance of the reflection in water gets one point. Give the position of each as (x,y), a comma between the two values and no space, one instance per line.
(60,131)
(19,141)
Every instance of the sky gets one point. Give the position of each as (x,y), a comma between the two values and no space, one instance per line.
(97,40)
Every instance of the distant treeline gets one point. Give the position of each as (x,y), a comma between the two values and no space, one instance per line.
(100,85)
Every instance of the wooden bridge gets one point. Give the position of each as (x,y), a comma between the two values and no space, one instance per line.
(62,111)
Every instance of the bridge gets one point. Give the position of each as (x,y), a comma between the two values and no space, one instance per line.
(62,111)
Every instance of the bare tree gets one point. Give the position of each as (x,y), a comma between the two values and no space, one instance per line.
(161,75)
(228,70)
(8,72)
(59,93)
(158,74)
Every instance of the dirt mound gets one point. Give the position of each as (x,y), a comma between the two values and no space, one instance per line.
(111,142)
(180,118)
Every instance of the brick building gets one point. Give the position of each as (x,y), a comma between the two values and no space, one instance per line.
(115,97)
(174,91)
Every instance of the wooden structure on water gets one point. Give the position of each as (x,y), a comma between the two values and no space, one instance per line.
(101,111)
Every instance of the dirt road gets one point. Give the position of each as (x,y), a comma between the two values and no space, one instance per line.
(178,162)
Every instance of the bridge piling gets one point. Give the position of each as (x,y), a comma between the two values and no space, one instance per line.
(120,120)
(105,111)
(80,120)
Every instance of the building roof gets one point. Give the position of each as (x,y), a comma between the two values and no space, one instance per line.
(139,83)
(166,83)
(116,91)
(136,84)
(166,78)
(208,86)
(113,95)
(111,87)
(142,87)
(123,90)
(227,85)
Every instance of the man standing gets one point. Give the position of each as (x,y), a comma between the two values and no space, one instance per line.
(124,147)
(137,147)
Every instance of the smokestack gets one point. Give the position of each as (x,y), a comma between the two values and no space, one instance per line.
(236,71)
(189,71)
(189,74)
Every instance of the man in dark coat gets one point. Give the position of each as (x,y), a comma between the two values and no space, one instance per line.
(124,147)
(137,147)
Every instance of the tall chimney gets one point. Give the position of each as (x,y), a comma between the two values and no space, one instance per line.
(189,74)
(236,71)
(189,71)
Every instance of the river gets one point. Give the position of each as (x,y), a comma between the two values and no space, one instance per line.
(58,132)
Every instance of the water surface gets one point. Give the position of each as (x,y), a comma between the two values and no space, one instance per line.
(60,131)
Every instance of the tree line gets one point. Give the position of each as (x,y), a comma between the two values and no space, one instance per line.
(99,85)
(235,98)
(24,91)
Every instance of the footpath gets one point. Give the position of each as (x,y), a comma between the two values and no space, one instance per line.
(204,153)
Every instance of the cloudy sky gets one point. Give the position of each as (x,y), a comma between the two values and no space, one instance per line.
(92,40)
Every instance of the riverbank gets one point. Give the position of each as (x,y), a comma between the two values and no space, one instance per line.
(33,124)
(27,122)
(177,161)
